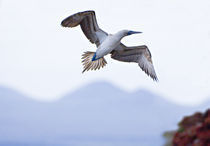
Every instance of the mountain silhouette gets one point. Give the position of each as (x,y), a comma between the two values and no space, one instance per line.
(96,114)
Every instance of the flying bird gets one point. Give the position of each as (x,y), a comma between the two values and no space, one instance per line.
(109,44)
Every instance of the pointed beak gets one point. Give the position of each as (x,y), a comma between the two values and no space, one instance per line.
(133,32)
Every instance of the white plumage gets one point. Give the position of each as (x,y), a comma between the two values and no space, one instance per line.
(109,44)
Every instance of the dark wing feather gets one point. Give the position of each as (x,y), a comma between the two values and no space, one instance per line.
(138,54)
(88,24)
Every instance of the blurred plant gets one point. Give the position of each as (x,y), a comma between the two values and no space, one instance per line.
(193,131)
(169,137)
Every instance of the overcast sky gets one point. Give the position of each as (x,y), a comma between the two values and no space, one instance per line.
(43,60)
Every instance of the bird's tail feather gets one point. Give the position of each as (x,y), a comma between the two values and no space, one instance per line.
(92,65)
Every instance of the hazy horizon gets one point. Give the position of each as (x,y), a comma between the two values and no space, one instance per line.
(105,84)
(97,114)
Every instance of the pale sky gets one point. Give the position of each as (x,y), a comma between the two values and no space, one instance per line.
(43,60)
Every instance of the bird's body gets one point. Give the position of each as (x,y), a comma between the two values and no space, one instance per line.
(108,44)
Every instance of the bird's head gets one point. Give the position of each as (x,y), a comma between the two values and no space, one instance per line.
(124,33)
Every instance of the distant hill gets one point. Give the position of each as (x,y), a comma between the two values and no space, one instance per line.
(98,114)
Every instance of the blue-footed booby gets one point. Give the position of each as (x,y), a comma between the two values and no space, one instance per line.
(109,44)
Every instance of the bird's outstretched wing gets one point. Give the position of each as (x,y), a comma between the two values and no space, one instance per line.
(138,54)
(89,26)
